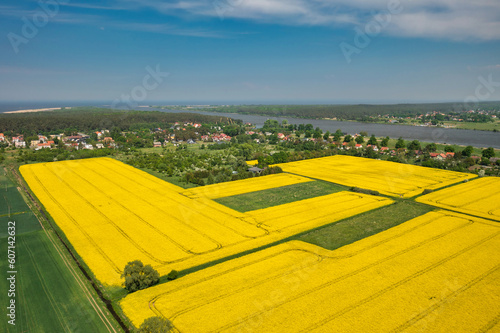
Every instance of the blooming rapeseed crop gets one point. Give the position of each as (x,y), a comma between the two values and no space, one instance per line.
(389,178)
(480,197)
(113,213)
(229,189)
(438,273)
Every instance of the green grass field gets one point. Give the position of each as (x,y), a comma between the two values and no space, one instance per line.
(279,196)
(475,126)
(367,224)
(48,298)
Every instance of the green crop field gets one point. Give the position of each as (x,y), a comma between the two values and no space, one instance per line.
(367,224)
(279,196)
(12,201)
(48,298)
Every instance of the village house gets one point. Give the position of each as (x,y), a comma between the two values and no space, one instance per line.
(17,138)
(43,145)
(20,144)
(374,147)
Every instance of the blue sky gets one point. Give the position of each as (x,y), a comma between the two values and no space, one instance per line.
(250,51)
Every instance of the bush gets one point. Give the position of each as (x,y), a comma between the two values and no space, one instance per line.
(364,191)
(137,276)
(427,191)
(172,275)
(156,325)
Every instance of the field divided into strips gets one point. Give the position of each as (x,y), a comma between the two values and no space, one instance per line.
(229,189)
(48,297)
(480,197)
(439,272)
(310,213)
(113,213)
(389,178)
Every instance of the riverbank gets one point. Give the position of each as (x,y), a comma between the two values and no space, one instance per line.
(37,110)
(448,136)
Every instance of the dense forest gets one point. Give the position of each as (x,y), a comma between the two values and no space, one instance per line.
(91,119)
(362,112)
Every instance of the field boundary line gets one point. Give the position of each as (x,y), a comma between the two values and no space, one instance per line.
(492,323)
(120,230)
(357,271)
(201,211)
(97,247)
(218,245)
(401,282)
(246,287)
(445,299)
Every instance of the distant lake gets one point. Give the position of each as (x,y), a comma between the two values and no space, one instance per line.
(426,134)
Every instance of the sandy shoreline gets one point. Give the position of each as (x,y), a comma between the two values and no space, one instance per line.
(34,110)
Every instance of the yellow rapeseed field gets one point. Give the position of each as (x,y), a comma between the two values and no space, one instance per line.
(229,189)
(480,197)
(389,178)
(439,272)
(113,213)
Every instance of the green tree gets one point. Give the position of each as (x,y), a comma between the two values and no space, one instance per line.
(318,134)
(489,152)
(360,140)
(156,325)
(400,143)
(385,142)
(326,136)
(431,147)
(467,151)
(414,145)
(449,149)
(137,276)
(372,140)
(348,138)
(273,139)
(337,135)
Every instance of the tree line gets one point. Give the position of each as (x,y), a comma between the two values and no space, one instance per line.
(360,112)
(87,119)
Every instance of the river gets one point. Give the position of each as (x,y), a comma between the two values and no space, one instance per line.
(461,137)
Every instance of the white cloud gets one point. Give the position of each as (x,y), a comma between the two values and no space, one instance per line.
(444,19)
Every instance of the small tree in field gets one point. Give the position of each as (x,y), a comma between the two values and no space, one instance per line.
(137,276)
(156,325)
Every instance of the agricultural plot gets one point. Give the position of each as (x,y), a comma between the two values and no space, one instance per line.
(12,201)
(279,195)
(310,213)
(113,213)
(439,272)
(389,178)
(244,186)
(480,197)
